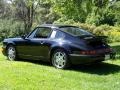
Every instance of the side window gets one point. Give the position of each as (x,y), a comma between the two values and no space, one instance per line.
(42,33)
(59,34)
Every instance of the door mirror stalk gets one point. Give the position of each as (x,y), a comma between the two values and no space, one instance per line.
(23,36)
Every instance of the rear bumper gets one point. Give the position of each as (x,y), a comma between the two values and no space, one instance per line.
(82,59)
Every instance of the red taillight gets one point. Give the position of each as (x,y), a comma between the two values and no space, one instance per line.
(92,52)
(82,52)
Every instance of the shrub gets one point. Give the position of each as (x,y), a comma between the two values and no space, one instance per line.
(93,19)
(10,28)
(105,16)
(113,32)
(113,36)
(100,30)
(64,21)
(85,26)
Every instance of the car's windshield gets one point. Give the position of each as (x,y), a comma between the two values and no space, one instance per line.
(75,31)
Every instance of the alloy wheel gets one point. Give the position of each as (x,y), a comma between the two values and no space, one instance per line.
(11,53)
(59,59)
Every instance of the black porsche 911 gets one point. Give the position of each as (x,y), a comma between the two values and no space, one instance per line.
(62,45)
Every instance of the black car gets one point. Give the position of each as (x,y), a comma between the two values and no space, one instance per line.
(62,45)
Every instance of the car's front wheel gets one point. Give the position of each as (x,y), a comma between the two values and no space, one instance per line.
(60,59)
(11,53)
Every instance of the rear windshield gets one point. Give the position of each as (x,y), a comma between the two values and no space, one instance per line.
(75,31)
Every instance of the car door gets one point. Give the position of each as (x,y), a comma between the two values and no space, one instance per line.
(39,43)
(23,46)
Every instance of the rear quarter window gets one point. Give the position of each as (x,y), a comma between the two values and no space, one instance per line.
(59,35)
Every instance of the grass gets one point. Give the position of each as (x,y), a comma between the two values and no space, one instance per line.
(24,75)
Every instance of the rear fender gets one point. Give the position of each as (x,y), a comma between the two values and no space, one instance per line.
(66,48)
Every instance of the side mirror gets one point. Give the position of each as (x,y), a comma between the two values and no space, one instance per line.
(23,36)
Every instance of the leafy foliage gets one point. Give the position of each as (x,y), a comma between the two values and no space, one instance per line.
(96,16)
(10,28)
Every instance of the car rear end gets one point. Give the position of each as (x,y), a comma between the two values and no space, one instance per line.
(96,51)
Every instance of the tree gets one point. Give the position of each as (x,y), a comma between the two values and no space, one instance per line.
(115,7)
(77,10)
(45,14)
(5,9)
(71,9)
(25,11)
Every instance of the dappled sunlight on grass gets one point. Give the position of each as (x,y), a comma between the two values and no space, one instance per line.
(104,68)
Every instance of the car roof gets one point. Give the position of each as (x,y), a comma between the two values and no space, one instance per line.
(55,25)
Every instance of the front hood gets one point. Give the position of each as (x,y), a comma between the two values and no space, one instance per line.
(13,39)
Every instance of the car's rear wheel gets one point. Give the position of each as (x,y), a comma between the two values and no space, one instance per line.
(60,59)
(11,53)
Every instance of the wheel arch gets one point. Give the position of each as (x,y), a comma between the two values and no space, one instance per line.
(67,50)
(9,44)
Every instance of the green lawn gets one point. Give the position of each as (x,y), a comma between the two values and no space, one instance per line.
(21,75)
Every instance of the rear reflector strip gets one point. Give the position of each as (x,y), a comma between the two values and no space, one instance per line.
(93,52)
(88,52)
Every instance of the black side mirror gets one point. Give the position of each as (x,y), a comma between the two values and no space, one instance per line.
(23,36)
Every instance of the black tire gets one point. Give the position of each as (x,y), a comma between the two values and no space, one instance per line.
(11,53)
(60,61)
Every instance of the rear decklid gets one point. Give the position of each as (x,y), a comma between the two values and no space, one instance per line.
(95,41)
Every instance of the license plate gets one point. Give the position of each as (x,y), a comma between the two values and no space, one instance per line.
(107,57)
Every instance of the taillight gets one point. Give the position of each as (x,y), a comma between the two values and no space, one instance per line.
(92,52)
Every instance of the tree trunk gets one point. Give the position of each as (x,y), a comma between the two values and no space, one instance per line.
(29,19)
